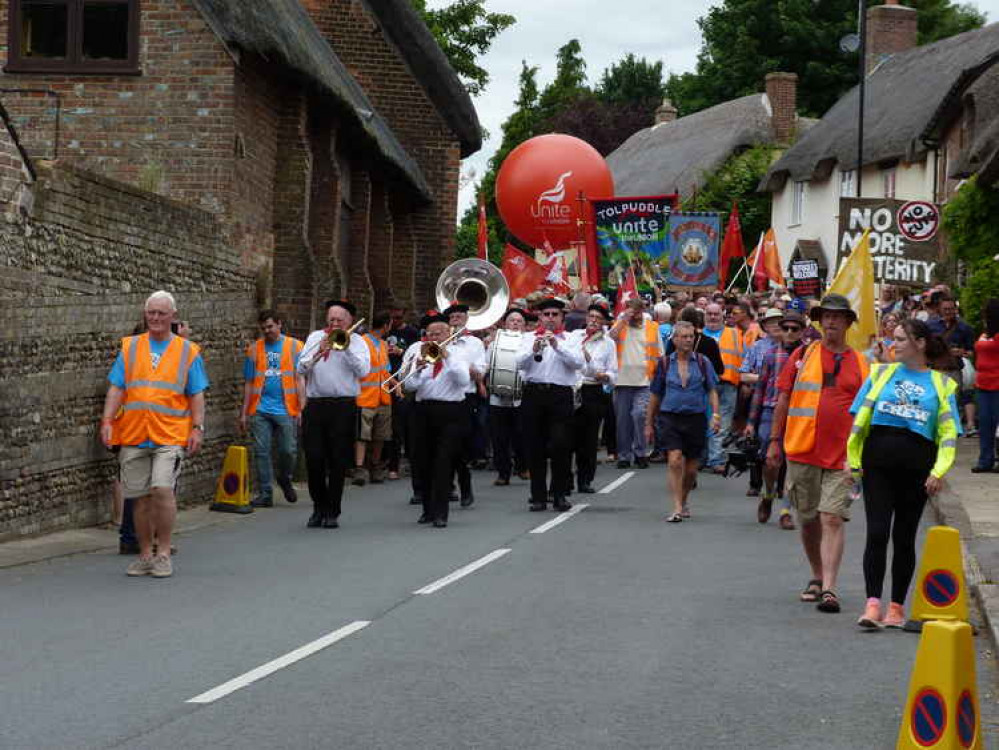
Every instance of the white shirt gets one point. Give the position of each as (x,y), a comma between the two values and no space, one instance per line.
(558,366)
(336,376)
(470,349)
(603,358)
(449,384)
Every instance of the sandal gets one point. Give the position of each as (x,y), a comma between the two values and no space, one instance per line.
(828,602)
(675,518)
(812,591)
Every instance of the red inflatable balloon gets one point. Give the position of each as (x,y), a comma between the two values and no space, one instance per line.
(538,186)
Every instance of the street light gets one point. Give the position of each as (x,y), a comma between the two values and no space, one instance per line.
(854,43)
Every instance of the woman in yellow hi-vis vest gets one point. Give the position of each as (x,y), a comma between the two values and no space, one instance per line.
(903,442)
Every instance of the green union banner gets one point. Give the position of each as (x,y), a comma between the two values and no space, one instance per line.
(632,231)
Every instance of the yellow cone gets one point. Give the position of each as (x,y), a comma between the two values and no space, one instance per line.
(941,592)
(232,493)
(941,711)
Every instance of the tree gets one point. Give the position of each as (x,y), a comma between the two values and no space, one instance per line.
(743,40)
(465,30)
(972,236)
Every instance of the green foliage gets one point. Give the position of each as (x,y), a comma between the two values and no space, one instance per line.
(465,30)
(981,286)
(632,80)
(743,40)
(969,221)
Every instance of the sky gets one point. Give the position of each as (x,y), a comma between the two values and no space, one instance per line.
(663,30)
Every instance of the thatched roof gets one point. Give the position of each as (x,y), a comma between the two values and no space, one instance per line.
(281,30)
(405,29)
(903,96)
(680,155)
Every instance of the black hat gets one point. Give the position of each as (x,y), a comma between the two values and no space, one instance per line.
(512,310)
(548,303)
(832,303)
(602,309)
(432,316)
(455,307)
(793,316)
(342,303)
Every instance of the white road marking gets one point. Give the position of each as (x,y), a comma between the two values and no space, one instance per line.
(462,572)
(281,662)
(617,483)
(560,518)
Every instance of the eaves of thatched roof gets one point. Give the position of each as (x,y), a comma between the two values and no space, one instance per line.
(404,28)
(680,155)
(282,31)
(904,95)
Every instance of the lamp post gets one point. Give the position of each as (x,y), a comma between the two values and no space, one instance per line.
(862,66)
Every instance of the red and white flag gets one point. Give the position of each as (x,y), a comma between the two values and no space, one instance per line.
(628,290)
(483,230)
(557,274)
(523,274)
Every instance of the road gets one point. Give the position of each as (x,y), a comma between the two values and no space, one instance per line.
(611,629)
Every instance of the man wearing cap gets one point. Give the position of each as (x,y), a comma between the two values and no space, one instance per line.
(470,348)
(812,420)
(329,421)
(638,351)
(440,419)
(597,380)
(549,361)
(749,374)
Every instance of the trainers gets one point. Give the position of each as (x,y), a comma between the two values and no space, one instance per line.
(161,567)
(140,567)
(871,619)
(786,522)
(895,617)
(360,476)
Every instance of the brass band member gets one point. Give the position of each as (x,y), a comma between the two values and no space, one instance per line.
(598,374)
(440,418)
(550,362)
(504,419)
(329,424)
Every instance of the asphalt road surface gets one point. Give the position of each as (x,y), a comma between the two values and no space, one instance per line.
(609,629)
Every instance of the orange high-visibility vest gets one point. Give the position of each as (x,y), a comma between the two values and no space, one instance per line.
(155,406)
(731,345)
(652,351)
(290,348)
(803,408)
(372,394)
(753,334)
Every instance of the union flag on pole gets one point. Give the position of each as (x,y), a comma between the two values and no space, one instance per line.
(732,246)
(628,290)
(557,275)
(522,272)
(483,230)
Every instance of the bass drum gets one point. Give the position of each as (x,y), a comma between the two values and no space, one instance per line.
(504,378)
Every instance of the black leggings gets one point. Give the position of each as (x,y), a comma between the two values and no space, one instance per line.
(896,464)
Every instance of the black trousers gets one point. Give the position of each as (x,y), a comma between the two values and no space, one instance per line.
(609,431)
(546,416)
(593,409)
(467,455)
(508,440)
(329,429)
(412,439)
(440,431)
(896,464)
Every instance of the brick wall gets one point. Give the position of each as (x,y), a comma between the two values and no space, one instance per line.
(14,174)
(782,91)
(76,274)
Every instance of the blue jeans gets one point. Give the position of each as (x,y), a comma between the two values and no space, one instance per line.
(727,396)
(630,404)
(988,420)
(263,429)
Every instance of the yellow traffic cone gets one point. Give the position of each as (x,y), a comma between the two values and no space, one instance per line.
(232,494)
(941,592)
(942,708)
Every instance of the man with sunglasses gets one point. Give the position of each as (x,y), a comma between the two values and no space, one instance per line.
(812,420)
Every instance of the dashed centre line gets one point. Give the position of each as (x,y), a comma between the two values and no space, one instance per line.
(560,518)
(617,483)
(462,572)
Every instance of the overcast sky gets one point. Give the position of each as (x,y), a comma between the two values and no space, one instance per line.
(607,30)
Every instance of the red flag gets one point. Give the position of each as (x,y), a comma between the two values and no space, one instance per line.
(557,274)
(522,272)
(732,246)
(757,271)
(483,230)
(625,292)
(771,258)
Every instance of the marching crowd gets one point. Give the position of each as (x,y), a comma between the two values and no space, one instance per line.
(715,383)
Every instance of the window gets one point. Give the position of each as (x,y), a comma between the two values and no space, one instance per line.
(73,36)
(888,182)
(848,184)
(797,202)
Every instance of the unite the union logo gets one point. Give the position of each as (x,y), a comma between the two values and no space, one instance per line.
(555,212)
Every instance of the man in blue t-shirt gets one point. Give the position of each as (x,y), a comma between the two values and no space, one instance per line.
(273,397)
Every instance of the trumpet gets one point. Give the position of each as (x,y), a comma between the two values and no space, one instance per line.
(339,339)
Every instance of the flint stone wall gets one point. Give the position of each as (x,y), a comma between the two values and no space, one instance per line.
(73,278)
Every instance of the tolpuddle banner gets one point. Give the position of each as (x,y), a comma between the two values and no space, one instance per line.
(632,231)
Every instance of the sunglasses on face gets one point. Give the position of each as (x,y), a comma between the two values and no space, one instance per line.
(791,329)
(550,314)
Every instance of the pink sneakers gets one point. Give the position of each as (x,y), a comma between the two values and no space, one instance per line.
(895,617)
(871,619)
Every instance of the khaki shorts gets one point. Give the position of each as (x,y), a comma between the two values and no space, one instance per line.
(376,424)
(813,490)
(145,468)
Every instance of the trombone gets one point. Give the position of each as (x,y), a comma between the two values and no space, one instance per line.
(431,353)
(339,339)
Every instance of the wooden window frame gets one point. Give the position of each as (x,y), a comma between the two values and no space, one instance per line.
(74,63)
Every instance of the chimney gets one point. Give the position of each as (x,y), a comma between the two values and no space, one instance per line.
(891,28)
(666,112)
(782,91)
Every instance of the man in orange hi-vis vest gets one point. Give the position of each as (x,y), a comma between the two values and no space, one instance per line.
(638,352)
(375,404)
(273,397)
(812,423)
(155,410)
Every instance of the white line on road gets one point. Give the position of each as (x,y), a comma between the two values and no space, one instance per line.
(462,572)
(617,483)
(280,663)
(560,518)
